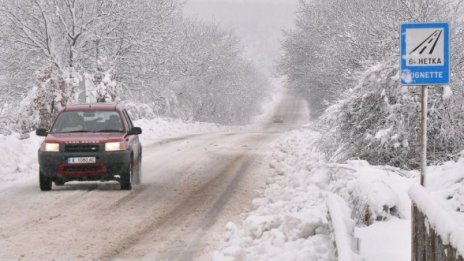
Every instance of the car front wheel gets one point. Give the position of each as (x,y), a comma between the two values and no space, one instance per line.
(45,182)
(138,173)
(126,178)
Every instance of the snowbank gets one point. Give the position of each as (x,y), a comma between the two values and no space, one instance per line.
(446,185)
(378,198)
(20,157)
(374,192)
(291,220)
(385,241)
(309,203)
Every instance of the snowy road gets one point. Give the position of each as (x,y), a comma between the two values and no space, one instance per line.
(192,186)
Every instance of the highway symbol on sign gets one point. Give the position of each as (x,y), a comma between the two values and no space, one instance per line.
(425,54)
(428,52)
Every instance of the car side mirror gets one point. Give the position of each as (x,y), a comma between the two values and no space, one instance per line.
(135,131)
(41,132)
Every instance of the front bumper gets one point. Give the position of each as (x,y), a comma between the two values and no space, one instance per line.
(107,166)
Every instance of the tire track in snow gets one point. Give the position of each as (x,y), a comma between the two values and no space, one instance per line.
(149,227)
(195,215)
(210,218)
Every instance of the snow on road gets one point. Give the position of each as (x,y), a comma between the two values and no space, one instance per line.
(90,220)
(186,182)
(268,189)
(192,186)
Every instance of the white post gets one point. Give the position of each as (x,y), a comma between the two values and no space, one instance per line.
(424,135)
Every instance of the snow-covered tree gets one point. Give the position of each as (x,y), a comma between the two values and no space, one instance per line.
(53,90)
(101,86)
(344,55)
(378,121)
(334,40)
(57,39)
(218,84)
(142,51)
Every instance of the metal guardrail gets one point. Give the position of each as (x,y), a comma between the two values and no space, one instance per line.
(346,244)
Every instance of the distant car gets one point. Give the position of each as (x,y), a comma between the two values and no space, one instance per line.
(91,142)
(277,119)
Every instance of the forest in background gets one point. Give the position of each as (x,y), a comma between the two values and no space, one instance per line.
(142,52)
(343,56)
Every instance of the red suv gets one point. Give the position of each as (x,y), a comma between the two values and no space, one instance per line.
(91,142)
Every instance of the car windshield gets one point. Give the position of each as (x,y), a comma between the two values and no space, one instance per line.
(88,121)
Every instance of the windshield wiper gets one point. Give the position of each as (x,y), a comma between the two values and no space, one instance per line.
(77,131)
(110,131)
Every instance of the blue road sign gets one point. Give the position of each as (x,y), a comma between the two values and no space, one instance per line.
(425,54)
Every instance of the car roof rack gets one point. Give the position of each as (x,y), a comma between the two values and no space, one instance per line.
(93,106)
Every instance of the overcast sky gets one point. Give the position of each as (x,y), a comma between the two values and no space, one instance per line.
(259,23)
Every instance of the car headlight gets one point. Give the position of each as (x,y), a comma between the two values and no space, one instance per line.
(52,147)
(115,146)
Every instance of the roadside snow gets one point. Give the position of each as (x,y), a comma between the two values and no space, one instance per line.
(163,128)
(379,201)
(386,241)
(308,204)
(20,158)
(446,185)
(291,220)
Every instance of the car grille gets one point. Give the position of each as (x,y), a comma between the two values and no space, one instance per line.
(81,168)
(81,148)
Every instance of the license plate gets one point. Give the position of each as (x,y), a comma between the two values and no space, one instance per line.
(82,160)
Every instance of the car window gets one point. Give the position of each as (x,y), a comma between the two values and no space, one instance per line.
(88,121)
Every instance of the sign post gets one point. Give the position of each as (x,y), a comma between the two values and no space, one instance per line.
(424,60)
(424,110)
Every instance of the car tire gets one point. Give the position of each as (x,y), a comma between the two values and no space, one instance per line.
(126,178)
(138,173)
(45,182)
